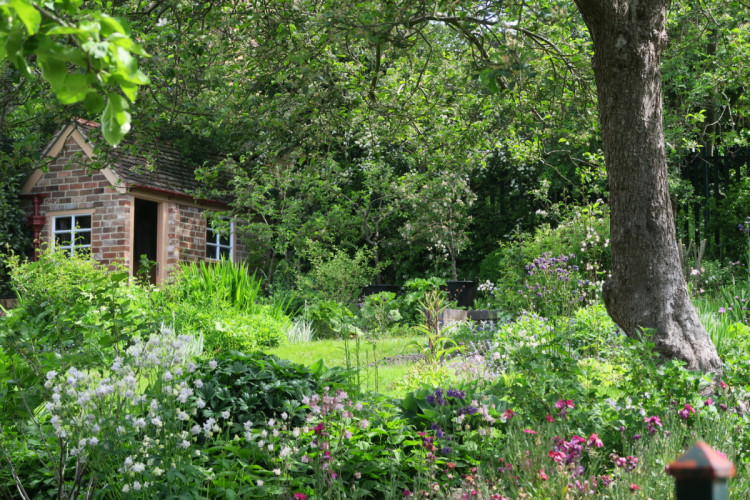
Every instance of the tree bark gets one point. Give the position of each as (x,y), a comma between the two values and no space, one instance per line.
(647,288)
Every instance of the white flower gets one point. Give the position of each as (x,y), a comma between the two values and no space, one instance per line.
(271,422)
(185,444)
(225,414)
(158,472)
(181,415)
(156,421)
(93,441)
(139,467)
(277,471)
(136,486)
(167,377)
(284,416)
(259,482)
(212,364)
(126,488)
(196,429)
(51,374)
(200,403)
(198,383)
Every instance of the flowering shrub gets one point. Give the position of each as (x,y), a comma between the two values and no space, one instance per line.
(126,428)
(555,286)
(583,233)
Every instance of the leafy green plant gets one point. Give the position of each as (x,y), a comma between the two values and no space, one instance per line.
(331,319)
(336,275)
(439,345)
(378,312)
(70,311)
(255,387)
(224,281)
(414,292)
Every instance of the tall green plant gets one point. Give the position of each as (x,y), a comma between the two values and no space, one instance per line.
(225,281)
(439,345)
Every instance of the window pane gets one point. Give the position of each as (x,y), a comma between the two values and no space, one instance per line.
(83,238)
(83,221)
(63,223)
(210,236)
(224,240)
(225,254)
(210,251)
(62,239)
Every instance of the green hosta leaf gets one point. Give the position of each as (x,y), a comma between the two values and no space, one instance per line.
(27,14)
(115,119)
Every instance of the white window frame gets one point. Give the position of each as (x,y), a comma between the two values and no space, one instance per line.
(214,244)
(73,232)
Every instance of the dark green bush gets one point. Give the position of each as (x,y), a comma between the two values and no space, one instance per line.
(255,387)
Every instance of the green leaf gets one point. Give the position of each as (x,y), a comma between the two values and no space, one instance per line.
(115,119)
(27,14)
(75,89)
(94,102)
(54,71)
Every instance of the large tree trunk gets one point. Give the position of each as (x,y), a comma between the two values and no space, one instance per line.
(647,288)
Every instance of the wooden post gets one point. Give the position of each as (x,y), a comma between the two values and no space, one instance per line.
(701,474)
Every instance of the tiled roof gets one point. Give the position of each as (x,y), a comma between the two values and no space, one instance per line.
(154,164)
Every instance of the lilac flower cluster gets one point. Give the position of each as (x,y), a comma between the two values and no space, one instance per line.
(555,285)
(438,399)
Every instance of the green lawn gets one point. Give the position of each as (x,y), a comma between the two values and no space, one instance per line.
(364,355)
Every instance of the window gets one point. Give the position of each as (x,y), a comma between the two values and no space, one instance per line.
(219,244)
(72,232)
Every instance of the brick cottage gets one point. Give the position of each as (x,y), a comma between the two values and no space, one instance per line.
(133,204)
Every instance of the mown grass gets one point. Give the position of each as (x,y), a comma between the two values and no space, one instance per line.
(374,374)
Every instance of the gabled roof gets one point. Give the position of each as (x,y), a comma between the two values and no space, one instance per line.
(152,165)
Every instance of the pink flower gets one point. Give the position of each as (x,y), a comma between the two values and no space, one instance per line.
(708,402)
(530,431)
(564,403)
(723,384)
(508,414)
(686,412)
(634,487)
(595,441)
(407,493)
(543,475)
(557,456)
(300,496)
(652,422)
(550,418)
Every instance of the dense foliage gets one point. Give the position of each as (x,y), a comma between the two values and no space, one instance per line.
(99,389)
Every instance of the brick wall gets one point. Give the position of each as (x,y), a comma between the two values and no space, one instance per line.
(71,187)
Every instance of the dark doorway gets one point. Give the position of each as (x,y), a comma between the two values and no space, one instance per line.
(145,239)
